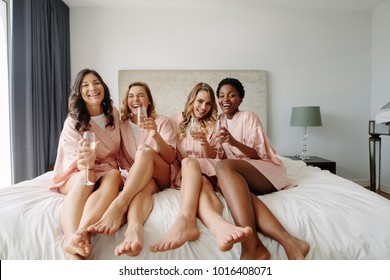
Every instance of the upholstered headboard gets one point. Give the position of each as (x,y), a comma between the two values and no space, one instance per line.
(171,87)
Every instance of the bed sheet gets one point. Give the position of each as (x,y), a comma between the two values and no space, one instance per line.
(340,220)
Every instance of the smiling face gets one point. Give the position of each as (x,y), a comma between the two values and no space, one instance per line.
(229,100)
(202,104)
(92,91)
(137,97)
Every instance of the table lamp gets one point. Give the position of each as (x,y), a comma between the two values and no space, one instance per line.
(305,116)
(386,106)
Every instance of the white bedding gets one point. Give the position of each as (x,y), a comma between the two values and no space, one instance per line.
(340,220)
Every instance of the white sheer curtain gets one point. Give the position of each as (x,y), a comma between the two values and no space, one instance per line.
(5,146)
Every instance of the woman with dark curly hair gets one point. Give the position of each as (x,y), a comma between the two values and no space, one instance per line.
(90,109)
(251,169)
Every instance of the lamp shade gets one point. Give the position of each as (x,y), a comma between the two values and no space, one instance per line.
(386,106)
(306,116)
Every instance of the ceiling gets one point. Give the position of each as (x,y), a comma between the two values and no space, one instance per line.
(288,4)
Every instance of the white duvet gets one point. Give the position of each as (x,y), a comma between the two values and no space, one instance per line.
(340,220)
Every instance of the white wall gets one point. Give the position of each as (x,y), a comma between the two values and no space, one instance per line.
(313,58)
(381,76)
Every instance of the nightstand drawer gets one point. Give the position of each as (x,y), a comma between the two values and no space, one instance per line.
(322,163)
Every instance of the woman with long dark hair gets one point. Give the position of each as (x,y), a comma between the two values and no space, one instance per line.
(90,109)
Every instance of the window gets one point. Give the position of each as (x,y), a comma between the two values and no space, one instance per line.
(5,139)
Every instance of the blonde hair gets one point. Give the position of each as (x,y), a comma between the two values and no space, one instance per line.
(208,120)
(126,111)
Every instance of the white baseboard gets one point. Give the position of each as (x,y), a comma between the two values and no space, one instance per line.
(366,183)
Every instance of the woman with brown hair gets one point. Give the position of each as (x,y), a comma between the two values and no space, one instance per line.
(147,170)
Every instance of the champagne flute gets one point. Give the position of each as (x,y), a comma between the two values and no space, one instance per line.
(194,128)
(216,133)
(142,114)
(89,142)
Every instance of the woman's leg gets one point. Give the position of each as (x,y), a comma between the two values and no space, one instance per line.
(95,205)
(185,226)
(236,178)
(270,226)
(147,164)
(71,212)
(139,211)
(210,212)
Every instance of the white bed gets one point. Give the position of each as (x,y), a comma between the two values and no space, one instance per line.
(340,219)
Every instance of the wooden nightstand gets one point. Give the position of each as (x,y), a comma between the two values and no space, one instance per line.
(322,163)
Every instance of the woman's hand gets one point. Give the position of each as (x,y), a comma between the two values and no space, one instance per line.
(200,136)
(84,153)
(150,125)
(225,137)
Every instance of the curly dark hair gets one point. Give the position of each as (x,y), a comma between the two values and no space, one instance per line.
(78,110)
(233,82)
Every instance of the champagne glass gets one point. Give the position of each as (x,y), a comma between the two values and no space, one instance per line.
(142,114)
(216,133)
(89,142)
(194,128)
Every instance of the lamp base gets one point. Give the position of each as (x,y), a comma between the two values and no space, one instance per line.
(302,157)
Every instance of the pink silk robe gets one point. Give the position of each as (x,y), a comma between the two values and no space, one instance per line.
(247,128)
(107,150)
(129,145)
(184,149)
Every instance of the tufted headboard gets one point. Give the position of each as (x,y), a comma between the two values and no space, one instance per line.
(171,87)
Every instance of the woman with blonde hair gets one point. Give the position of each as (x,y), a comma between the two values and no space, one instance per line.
(195,175)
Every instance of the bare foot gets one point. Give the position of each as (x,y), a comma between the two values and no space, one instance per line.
(227,234)
(296,249)
(133,243)
(182,230)
(111,221)
(79,244)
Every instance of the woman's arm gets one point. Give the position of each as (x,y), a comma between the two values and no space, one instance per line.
(165,150)
(226,137)
(207,149)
